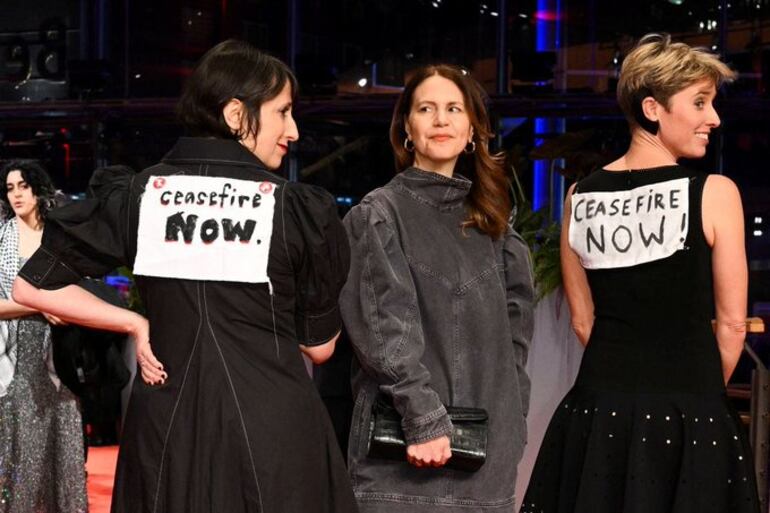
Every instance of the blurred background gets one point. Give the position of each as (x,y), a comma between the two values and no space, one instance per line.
(85,83)
(90,82)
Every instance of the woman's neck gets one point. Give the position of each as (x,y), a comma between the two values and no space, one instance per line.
(645,151)
(445,168)
(31,221)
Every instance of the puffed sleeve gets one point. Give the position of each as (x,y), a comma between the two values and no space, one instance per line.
(381,315)
(321,258)
(520,298)
(86,238)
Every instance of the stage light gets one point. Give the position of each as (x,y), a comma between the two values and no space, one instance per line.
(676,2)
(757,220)
(757,233)
(493,13)
(362,82)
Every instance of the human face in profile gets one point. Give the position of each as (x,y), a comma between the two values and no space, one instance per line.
(277,129)
(438,124)
(686,125)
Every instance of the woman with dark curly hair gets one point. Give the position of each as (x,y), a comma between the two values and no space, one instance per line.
(41,440)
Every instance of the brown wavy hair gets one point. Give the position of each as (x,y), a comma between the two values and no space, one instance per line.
(488,203)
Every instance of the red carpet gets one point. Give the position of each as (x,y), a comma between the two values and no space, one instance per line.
(101,474)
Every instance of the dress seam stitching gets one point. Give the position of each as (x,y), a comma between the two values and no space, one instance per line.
(235,397)
(178,399)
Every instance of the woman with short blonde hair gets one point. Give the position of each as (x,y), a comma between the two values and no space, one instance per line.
(651,253)
(660,68)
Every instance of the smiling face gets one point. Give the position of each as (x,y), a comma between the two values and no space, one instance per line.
(20,196)
(685,126)
(276,129)
(438,124)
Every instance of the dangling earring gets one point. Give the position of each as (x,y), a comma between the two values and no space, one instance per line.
(472,149)
(407,146)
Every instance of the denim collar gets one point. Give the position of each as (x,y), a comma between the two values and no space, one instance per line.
(434,189)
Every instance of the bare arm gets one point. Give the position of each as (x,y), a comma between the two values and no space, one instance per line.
(10,309)
(723,228)
(75,304)
(581,304)
(321,353)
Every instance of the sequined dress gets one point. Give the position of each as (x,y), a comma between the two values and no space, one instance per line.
(42,468)
(647,427)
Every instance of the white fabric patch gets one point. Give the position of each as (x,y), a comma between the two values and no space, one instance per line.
(205,228)
(625,228)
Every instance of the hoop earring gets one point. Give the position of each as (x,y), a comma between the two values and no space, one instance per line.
(472,145)
(407,147)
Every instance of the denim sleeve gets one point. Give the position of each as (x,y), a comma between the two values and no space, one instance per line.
(520,296)
(380,312)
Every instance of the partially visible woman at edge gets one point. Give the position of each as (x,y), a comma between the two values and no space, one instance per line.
(229,421)
(651,253)
(41,437)
(438,305)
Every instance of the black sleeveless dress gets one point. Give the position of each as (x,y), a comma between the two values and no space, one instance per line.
(647,426)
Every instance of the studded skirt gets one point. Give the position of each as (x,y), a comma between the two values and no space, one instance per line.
(647,428)
(633,453)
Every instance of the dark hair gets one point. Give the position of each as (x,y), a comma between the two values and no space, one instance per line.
(231,69)
(489,204)
(38,180)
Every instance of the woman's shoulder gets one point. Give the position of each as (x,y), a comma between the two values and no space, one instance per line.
(6,223)
(110,179)
(311,200)
(720,183)
(375,207)
(720,194)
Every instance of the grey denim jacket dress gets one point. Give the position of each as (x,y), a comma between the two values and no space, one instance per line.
(437,316)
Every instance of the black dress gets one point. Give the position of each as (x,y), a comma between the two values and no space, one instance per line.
(238,426)
(647,427)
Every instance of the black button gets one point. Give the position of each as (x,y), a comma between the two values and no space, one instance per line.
(36,277)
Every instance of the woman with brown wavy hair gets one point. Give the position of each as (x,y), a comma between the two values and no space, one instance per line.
(438,305)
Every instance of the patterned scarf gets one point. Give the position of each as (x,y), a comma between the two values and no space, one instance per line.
(9,328)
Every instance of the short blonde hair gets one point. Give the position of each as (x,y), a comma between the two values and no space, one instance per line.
(660,68)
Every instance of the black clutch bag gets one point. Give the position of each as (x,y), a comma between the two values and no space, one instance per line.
(468,441)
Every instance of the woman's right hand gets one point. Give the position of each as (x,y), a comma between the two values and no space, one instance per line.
(433,453)
(151,369)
